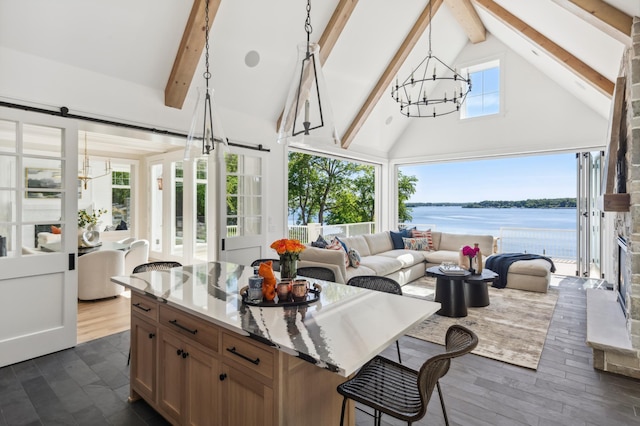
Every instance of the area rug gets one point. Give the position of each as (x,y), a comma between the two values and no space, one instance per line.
(512,329)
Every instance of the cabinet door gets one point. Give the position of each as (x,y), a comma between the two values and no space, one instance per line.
(171,377)
(202,377)
(245,400)
(143,363)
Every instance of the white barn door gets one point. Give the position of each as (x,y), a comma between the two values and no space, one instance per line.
(242,226)
(38,193)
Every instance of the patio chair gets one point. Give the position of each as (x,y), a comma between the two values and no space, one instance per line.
(317,272)
(275,265)
(156,266)
(374,282)
(399,391)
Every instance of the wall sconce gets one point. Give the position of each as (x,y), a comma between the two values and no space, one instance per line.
(159,183)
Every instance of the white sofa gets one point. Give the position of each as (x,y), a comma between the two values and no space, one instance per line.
(378,257)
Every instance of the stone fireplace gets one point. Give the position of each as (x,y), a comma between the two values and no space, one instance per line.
(613,317)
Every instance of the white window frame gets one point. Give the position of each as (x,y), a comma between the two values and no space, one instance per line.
(478,66)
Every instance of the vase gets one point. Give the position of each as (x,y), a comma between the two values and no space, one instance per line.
(288,266)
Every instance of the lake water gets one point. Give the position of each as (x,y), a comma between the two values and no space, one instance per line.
(489,221)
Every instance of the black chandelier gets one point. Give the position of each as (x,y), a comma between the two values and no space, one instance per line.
(206,129)
(417,94)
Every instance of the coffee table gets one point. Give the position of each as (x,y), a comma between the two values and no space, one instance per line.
(476,289)
(457,292)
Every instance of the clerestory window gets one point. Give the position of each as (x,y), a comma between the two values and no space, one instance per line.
(484,98)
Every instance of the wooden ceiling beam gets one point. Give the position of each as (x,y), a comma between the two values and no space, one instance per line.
(593,77)
(390,72)
(603,16)
(468,19)
(331,34)
(189,53)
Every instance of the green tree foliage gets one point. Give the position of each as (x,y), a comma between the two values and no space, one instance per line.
(406,188)
(332,191)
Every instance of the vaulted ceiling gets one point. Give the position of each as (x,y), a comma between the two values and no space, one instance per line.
(157,46)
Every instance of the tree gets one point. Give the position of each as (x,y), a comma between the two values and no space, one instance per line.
(406,188)
(338,191)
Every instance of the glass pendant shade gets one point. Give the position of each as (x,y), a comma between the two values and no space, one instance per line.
(307,116)
(205,130)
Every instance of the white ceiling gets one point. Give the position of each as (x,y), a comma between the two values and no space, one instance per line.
(136,42)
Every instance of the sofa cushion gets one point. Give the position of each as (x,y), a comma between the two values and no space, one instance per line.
(406,257)
(336,245)
(354,258)
(396,239)
(359,243)
(423,234)
(440,256)
(535,267)
(356,272)
(378,242)
(382,265)
(421,244)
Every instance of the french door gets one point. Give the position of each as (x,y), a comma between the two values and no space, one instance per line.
(589,216)
(242,225)
(38,191)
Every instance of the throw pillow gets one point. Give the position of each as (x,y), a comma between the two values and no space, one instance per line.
(344,246)
(354,258)
(396,239)
(335,245)
(416,244)
(56,230)
(406,232)
(424,234)
(320,242)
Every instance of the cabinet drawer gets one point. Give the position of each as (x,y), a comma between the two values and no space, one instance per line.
(145,306)
(187,325)
(255,356)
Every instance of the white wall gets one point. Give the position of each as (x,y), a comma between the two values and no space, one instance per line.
(538,115)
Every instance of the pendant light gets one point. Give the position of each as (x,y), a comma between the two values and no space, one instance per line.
(307,116)
(206,129)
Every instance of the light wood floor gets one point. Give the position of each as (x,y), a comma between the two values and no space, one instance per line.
(100,318)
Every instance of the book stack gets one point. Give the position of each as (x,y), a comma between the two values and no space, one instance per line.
(452,270)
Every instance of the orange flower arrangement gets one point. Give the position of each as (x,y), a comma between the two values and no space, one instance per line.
(286,246)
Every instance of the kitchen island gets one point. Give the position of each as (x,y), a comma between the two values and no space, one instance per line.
(199,355)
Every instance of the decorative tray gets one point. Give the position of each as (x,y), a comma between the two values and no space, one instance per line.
(313,295)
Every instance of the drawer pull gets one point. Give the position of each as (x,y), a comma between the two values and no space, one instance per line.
(152,335)
(233,351)
(139,306)
(223,376)
(175,322)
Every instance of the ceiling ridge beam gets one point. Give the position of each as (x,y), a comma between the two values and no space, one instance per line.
(593,77)
(603,16)
(330,35)
(392,70)
(189,53)
(468,19)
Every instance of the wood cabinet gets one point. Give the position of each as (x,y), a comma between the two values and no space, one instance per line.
(197,373)
(187,381)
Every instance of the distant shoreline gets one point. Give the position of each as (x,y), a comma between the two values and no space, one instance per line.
(543,203)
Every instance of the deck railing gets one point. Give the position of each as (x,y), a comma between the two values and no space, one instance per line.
(555,243)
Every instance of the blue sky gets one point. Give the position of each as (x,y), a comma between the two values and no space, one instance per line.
(543,176)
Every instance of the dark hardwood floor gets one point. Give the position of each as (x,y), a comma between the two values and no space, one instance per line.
(88,384)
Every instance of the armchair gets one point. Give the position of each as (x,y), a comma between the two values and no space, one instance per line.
(95,270)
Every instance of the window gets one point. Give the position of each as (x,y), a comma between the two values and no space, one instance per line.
(121,197)
(484,98)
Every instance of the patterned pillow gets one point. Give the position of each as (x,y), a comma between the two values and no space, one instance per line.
(336,245)
(424,234)
(416,244)
(354,258)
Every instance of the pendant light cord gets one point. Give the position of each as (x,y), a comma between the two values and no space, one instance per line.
(307,27)
(207,74)
(430,25)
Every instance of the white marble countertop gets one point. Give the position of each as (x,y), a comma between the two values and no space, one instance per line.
(342,331)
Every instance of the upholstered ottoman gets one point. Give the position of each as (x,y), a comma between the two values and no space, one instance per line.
(531,275)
